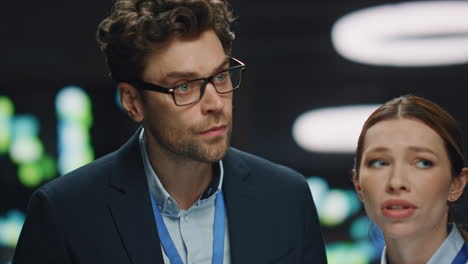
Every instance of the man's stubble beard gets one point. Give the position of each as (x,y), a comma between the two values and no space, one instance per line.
(189,149)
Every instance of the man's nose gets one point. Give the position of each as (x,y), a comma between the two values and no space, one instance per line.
(211,101)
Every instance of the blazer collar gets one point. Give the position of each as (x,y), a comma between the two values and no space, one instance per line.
(132,211)
(242,210)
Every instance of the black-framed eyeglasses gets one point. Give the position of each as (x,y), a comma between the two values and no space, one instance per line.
(192,91)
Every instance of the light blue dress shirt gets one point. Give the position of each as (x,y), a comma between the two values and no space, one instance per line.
(446,253)
(191,230)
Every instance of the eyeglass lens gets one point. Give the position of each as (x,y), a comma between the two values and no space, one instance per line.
(224,82)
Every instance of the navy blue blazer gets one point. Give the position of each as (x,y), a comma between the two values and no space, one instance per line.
(101,213)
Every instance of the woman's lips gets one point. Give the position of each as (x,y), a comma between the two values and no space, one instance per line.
(398,209)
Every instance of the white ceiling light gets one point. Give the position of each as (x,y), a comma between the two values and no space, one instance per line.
(334,129)
(408,34)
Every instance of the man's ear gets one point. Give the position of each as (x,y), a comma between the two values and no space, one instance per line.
(458,185)
(131,101)
(357,185)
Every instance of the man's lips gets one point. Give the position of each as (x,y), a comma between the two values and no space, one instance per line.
(218,130)
(398,209)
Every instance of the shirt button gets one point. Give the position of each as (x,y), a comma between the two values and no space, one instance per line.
(186,218)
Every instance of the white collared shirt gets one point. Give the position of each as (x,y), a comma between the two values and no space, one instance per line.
(446,253)
(191,230)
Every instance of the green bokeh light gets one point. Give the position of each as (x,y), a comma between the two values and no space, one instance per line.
(5,135)
(336,208)
(89,153)
(30,174)
(73,107)
(6,113)
(26,150)
(346,253)
(49,169)
(73,160)
(33,174)
(6,106)
(72,103)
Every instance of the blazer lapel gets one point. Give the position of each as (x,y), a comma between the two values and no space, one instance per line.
(241,210)
(131,210)
(133,214)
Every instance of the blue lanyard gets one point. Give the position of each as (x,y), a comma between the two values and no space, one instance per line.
(462,255)
(218,232)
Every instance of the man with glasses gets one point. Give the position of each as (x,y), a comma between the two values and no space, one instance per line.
(176,192)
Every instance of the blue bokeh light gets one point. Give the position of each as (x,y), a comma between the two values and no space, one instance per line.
(10,228)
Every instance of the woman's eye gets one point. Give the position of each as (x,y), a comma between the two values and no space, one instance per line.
(424,164)
(376,163)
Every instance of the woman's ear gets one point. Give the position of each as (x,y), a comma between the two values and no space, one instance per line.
(458,185)
(357,185)
(131,101)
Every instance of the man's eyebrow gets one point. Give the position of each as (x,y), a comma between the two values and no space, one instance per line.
(193,75)
(221,65)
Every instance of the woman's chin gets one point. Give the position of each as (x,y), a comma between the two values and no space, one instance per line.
(400,229)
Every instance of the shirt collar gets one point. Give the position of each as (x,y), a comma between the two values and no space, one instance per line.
(445,253)
(167,205)
(383,257)
(449,248)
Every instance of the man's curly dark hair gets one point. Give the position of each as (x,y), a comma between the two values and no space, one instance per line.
(137,27)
